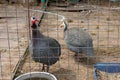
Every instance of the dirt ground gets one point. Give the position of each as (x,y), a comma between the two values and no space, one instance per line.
(102,23)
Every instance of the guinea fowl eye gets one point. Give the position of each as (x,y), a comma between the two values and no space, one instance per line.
(33,20)
(33,17)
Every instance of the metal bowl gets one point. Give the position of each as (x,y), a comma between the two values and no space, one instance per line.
(45,75)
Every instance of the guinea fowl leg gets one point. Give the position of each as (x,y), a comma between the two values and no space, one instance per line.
(43,67)
(76,54)
(80,58)
(47,68)
(77,57)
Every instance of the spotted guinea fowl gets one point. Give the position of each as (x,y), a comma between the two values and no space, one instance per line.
(43,49)
(78,40)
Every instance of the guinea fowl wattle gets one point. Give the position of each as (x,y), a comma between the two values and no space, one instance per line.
(43,49)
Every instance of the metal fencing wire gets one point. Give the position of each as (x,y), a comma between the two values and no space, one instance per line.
(13,38)
(100,19)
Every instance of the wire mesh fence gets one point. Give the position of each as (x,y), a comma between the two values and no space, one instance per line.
(100,19)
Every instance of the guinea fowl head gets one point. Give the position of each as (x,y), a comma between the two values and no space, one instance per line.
(34,22)
(64,25)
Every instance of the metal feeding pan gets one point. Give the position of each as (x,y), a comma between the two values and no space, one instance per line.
(45,75)
(106,67)
(115,0)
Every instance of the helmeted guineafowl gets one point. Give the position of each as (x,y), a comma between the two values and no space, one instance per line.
(78,40)
(43,49)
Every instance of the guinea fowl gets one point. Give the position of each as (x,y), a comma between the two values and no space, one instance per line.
(43,49)
(78,40)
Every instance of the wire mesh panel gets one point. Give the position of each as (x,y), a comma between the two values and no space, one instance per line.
(13,38)
(99,19)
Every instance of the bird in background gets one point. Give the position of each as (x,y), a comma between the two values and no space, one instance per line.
(78,40)
(43,49)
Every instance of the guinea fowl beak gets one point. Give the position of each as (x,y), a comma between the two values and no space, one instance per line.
(61,25)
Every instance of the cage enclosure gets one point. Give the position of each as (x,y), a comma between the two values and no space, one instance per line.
(98,18)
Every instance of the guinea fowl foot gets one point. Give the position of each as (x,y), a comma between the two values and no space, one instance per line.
(76,54)
(82,59)
(79,58)
(45,68)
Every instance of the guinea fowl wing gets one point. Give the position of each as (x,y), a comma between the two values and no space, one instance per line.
(77,37)
(55,46)
(78,40)
(45,51)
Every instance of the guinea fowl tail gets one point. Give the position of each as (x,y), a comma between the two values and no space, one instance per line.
(88,51)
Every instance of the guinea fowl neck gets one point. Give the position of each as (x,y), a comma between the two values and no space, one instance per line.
(65,26)
(36,33)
